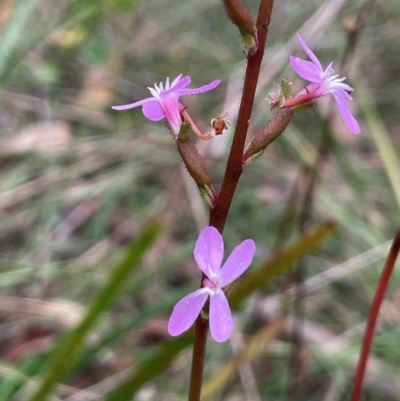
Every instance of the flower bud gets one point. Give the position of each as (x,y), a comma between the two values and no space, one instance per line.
(266,135)
(195,165)
(240,16)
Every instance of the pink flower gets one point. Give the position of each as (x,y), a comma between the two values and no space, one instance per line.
(208,252)
(322,83)
(165,101)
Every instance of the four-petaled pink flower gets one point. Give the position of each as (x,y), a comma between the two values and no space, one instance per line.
(208,253)
(322,83)
(165,101)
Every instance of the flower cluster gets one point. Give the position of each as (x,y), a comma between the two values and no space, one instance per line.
(322,83)
(209,248)
(208,253)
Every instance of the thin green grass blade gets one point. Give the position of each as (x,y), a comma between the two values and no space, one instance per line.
(66,351)
(12,383)
(14,31)
(115,332)
(380,135)
(12,377)
(16,44)
(151,368)
(348,217)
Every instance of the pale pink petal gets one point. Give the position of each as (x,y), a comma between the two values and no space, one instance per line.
(238,261)
(176,80)
(170,106)
(314,88)
(186,311)
(306,69)
(209,251)
(195,91)
(346,113)
(185,81)
(331,87)
(328,72)
(310,54)
(346,95)
(153,111)
(132,105)
(221,323)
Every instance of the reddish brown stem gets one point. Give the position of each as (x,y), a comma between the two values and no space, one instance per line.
(234,165)
(233,171)
(373,316)
(199,351)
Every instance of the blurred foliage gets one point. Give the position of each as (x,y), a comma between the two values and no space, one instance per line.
(79,182)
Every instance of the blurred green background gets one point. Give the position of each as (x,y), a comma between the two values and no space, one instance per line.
(79,182)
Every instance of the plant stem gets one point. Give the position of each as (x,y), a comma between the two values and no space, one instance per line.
(373,316)
(233,171)
(234,168)
(199,351)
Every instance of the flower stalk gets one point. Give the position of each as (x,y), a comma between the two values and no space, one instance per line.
(233,171)
(234,165)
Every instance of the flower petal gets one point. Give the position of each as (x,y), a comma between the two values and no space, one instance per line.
(153,111)
(176,80)
(195,91)
(186,311)
(132,105)
(331,87)
(221,323)
(170,106)
(185,81)
(310,54)
(238,261)
(306,69)
(346,113)
(209,251)
(328,72)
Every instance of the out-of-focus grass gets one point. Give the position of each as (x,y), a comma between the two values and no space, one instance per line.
(78,182)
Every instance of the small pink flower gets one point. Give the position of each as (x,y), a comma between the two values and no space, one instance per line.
(322,83)
(165,101)
(208,252)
